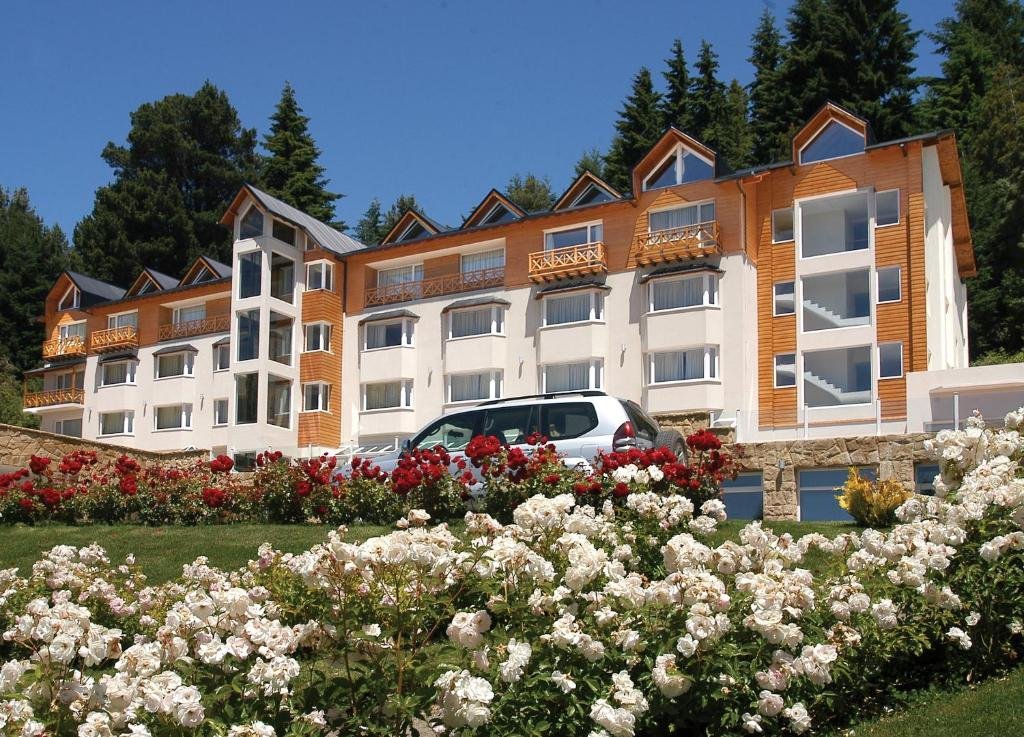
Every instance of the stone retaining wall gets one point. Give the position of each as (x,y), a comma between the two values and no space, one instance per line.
(893,455)
(18,444)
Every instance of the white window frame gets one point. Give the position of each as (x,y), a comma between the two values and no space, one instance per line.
(496,386)
(792,215)
(201,276)
(408,334)
(58,426)
(244,215)
(775,372)
(130,374)
(595,369)
(323,397)
(878,359)
(264,269)
(62,330)
(899,208)
(818,132)
(406,395)
(227,412)
(899,284)
(596,307)
(711,289)
(775,312)
(326,330)
(188,366)
(497,321)
(217,350)
(176,314)
(327,276)
(676,152)
(414,269)
(697,204)
(184,414)
(595,234)
(127,423)
(712,363)
(462,260)
(112,319)
(76,299)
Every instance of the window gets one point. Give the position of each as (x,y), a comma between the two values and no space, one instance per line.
(316,397)
(173,417)
(71,299)
(782,225)
(70,427)
(122,372)
(250,267)
(245,461)
(837,300)
(124,320)
(284,232)
(837,377)
(569,377)
(220,412)
(690,291)
(222,357)
(511,425)
(279,402)
(451,433)
(188,314)
(72,330)
(175,364)
(890,288)
(413,231)
(477,321)
(578,236)
(319,275)
(498,214)
(818,488)
(203,275)
(280,338)
(318,337)
(117,423)
(487,263)
(282,278)
(248,335)
(890,360)
(679,218)
(924,478)
(837,224)
(388,334)
(744,496)
(565,420)
(474,387)
(69,380)
(832,142)
(785,370)
(591,195)
(246,398)
(576,307)
(681,167)
(691,364)
(403,275)
(785,298)
(887,207)
(252,224)
(387,395)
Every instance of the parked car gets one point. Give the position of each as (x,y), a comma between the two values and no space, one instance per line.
(580,424)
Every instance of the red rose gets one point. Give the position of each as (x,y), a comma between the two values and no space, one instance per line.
(214,497)
(303,488)
(26,504)
(38,464)
(621,489)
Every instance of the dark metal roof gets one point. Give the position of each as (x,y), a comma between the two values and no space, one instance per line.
(322,233)
(476,302)
(119,356)
(180,348)
(223,270)
(95,287)
(681,269)
(572,285)
(389,315)
(55,366)
(164,292)
(223,341)
(162,280)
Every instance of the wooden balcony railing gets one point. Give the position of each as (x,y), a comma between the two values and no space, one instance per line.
(215,324)
(114,339)
(64,347)
(674,244)
(31,400)
(559,263)
(407,291)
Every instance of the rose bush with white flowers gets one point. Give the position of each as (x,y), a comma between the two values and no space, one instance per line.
(552,624)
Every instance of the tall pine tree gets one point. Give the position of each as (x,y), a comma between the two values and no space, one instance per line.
(592,161)
(292,172)
(530,192)
(734,139)
(638,128)
(369,229)
(707,94)
(185,159)
(676,104)
(768,124)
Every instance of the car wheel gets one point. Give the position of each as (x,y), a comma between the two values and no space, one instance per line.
(672,440)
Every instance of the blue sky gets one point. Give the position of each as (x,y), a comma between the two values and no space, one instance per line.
(442,99)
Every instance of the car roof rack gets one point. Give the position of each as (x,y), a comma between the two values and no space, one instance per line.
(549,395)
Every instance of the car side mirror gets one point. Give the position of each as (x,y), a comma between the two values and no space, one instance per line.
(407,445)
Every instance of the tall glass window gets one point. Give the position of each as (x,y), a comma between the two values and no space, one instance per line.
(279,402)
(280,338)
(252,224)
(249,274)
(247,398)
(282,278)
(248,335)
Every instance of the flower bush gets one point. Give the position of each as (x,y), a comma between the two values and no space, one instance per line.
(872,503)
(551,624)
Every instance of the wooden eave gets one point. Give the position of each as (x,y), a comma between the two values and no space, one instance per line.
(583,181)
(494,197)
(672,138)
(952,177)
(404,222)
(828,112)
(138,283)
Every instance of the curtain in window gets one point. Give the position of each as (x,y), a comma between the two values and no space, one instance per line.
(471,322)
(668,294)
(571,308)
(171,365)
(567,377)
(466,387)
(168,417)
(404,275)
(279,400)
(74,330)
(382,396)
(679,365)
(130,319)
(483,261)
(115,373)
(188,314)
(678,217)
(384,335)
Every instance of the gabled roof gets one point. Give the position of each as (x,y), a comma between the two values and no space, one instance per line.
(407,220)
(827,113)
(584,182)
(669,140)
(216,268)
(154,277)
(99,290)
(326,236)
(493,208)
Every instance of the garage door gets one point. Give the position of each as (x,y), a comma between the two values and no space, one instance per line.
(818,489)
(744,496)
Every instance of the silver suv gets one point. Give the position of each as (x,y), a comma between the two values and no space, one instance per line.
(580,424)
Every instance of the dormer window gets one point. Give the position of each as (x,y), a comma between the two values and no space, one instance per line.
(252,224)
(834,141)
(284,232)
(592,195)
(203,275)
(681,167)
(414,230)
(71,299)
(147,287)
(498,214)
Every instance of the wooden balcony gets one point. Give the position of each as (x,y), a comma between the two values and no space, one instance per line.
(114,339)
(677,244)
(215,324)
(73,347)
(34,400)
(453,284)
(561,263)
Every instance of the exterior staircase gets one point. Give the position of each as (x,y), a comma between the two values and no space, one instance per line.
(825,314)
(842,396)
